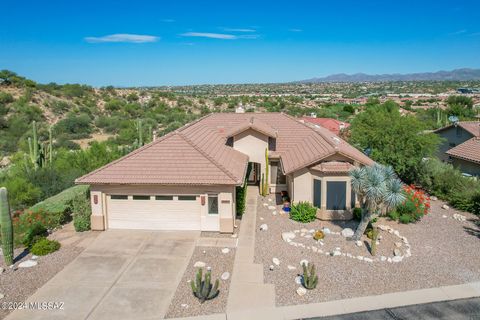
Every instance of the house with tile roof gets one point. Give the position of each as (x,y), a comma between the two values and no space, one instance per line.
(187,179)
(333,125)
(461,146)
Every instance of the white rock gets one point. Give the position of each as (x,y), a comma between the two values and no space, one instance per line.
(379,237)
(301,245)
(433,198)
(34,257)
(263,227)
(347,232)
(271,207)
(445,207)
(321,243)
(308,236)
(390,230)
(328,254)
(397,252)
(367,260)
(199,264)
(204,252)
(265,204)
(311,230)
(261,219)
(308,248)
(395,232)
(377,242)
(225,276)
(276,261)
(314,249)
(298,279)
(320,251)
(359,243)
(349,255)
(336,253)
(296,231)
(398,244)
(225,250)
(301,291)
(2,270)
(271,267)
(291,267)
(389,260)
(1,296)
(27,264)
(444,216)
(397,258)
(326,231)
(274,213)
(382,227)
(288,235)
(303,230)
(360,258)
(184,305)
(304,261)
(302,234)
(383,258)
(269,200)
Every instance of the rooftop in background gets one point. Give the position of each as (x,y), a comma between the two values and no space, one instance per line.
(333,125)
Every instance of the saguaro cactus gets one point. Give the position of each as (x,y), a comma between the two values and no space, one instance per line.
(267,172)
(6,227)
(37,151)
(310,279)
(202,288)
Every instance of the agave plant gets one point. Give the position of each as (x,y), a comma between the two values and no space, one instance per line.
(378,189)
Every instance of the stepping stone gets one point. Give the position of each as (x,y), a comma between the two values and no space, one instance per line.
(27,264)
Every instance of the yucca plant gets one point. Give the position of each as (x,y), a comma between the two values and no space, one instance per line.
(310,279)
(378,189)
(202,288)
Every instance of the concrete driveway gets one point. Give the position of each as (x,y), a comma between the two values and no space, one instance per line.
(123,274)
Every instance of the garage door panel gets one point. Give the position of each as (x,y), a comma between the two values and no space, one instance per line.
(153,214)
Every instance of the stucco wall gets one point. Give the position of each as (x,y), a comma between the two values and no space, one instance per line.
(466,166)
(253,144)
(226,200)
(450,136)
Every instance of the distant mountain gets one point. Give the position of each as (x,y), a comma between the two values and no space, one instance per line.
(455,75)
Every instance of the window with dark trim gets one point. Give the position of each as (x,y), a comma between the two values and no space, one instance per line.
(118,197)
(212,204)
(163,197)
(187,198)
(141,197)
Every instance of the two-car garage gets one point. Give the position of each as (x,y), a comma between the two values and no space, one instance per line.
(153,212)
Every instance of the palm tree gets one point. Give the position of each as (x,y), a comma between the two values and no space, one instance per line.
(377,188)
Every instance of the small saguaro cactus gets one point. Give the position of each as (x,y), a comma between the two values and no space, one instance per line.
(310,279)
(373,246)
(6,227)
(202,288)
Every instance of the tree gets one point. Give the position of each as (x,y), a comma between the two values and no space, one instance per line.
(392,139)
(377,188)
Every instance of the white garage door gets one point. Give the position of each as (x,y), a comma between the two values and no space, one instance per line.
(153,212)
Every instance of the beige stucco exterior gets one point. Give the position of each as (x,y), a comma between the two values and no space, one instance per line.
(253,144)
(226,203)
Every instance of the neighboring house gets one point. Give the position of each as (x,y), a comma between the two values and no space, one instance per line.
(186,180)
(333,125)
(461,146)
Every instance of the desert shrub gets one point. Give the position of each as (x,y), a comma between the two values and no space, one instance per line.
(44,246)
(406,218)
(81,212)
(74,126)
(415,206)
(33,234)
(357,213)
(393,215)
(6,97)
(303,212)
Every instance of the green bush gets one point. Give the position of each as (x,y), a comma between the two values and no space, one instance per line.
(393,215)
(62,202)
(241,198)
(44,246)
(406,218)
(357,214)
(303,212)
(33,234)
(81,212)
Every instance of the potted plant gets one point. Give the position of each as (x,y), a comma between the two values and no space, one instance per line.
(286,204)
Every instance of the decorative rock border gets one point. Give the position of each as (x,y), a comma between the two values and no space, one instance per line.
(397,257)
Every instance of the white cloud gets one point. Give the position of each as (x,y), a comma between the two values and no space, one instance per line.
(239,30)
(295,30)
(123,37)
(210,35)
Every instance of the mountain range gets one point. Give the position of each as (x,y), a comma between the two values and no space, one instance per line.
(463,74)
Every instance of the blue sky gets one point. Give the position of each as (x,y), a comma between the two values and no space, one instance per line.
(127,43)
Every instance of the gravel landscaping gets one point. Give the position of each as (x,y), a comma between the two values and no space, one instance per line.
(184,304)
(444,251)
(17,284)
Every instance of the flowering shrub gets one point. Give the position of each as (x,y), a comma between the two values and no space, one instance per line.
(415,206)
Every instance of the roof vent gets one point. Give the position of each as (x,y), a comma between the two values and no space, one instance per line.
(313,115)
(336,140)
(240,109)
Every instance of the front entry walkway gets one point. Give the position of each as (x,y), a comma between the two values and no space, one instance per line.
(123,274)
(249,296)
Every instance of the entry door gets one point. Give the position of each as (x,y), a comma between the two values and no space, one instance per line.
(212,219)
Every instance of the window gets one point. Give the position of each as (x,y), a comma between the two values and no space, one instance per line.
(276,175)
(336,195)
(212,204)
(166,198)
(459,131)
(118,197)
(141,197)
(187,198)
(317,193)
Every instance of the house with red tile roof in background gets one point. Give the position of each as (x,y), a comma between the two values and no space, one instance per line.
(461,146)
(188,179)
(333,125)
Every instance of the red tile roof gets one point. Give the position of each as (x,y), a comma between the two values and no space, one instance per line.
(473,127)
(469,150)
(255,124)
(197,153)
(333,125)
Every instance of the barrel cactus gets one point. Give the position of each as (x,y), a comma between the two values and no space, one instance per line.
(6,227)
(202,288)
(310,279)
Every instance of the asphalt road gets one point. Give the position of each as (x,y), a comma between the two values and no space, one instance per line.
(464,309)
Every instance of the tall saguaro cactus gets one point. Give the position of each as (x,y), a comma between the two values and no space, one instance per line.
(6,227)
(40,154)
